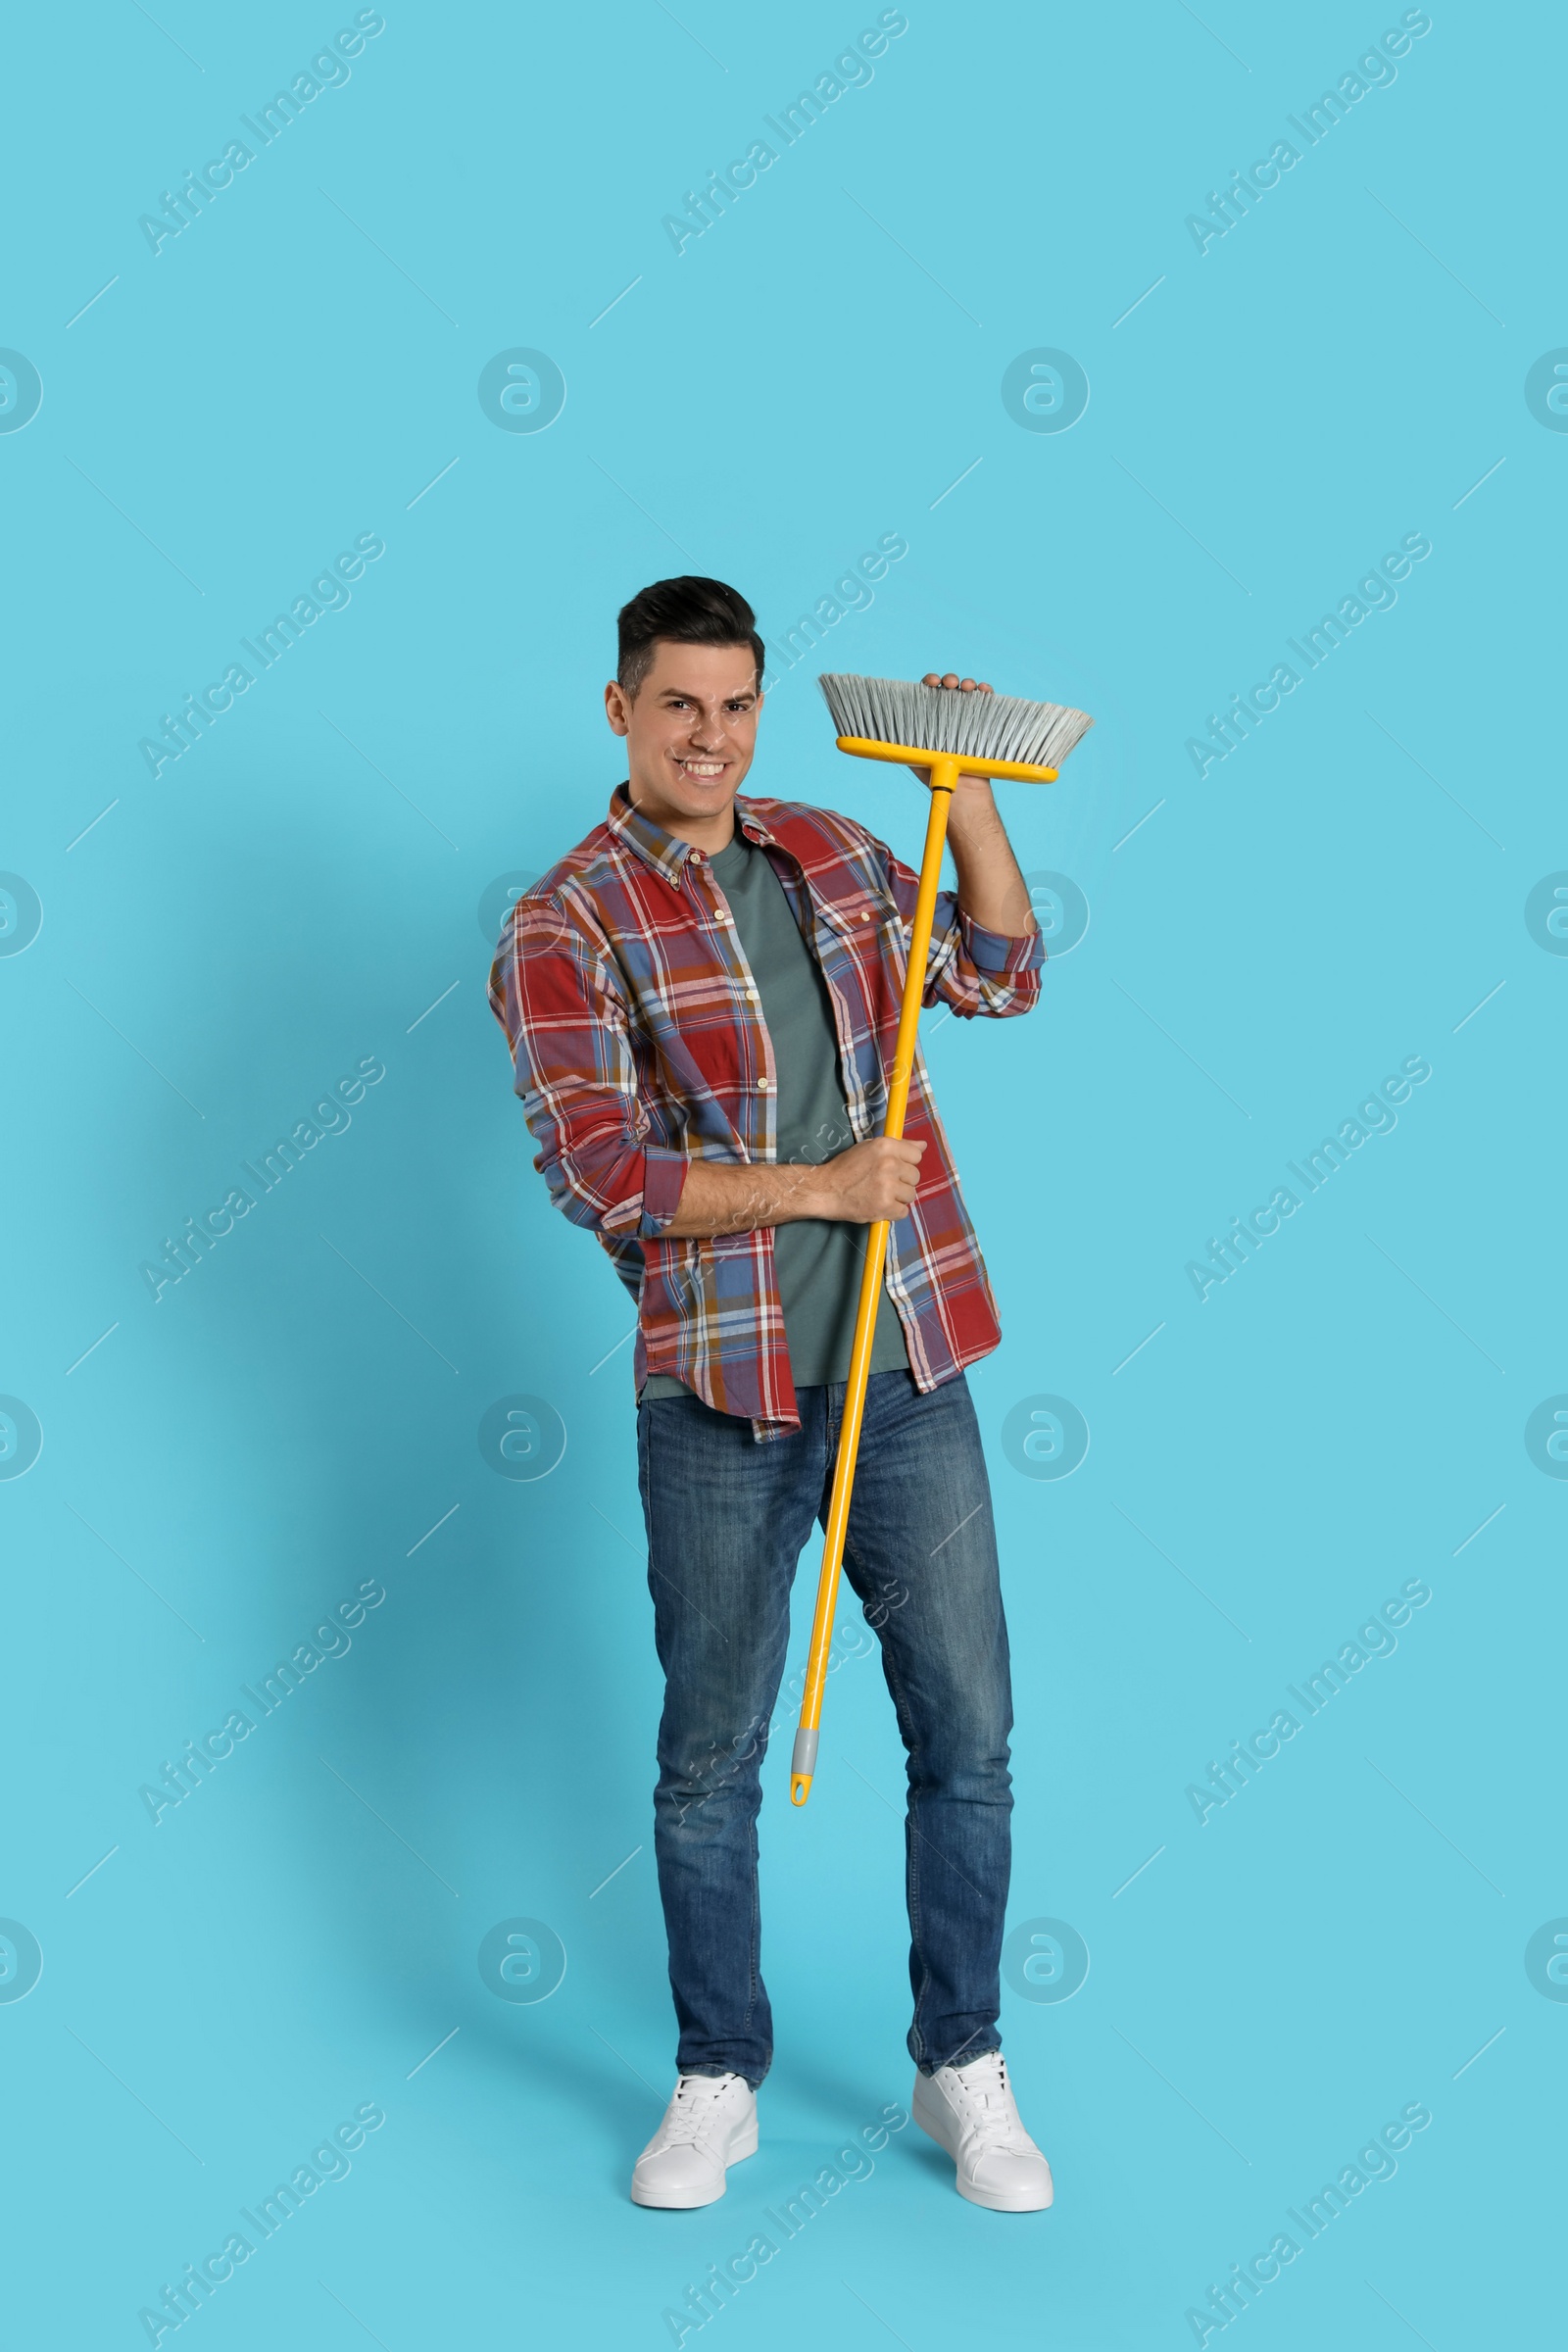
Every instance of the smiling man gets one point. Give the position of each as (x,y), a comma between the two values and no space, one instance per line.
(701,1001)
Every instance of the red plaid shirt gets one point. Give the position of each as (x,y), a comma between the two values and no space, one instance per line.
(638,1044)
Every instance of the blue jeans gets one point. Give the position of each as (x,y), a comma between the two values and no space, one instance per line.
(727,1520)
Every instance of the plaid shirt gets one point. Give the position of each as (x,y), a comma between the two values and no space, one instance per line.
(638,1044)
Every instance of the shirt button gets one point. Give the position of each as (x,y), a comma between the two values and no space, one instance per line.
(865,914)
(763,1086)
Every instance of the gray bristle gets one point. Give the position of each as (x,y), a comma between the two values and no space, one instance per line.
(941,718)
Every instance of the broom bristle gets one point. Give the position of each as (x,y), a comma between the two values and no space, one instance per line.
(938,718)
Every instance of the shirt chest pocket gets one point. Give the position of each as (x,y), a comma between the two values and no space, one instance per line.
(856,914)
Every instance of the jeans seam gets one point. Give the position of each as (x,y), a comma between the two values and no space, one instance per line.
(905,1722)
(756,1932)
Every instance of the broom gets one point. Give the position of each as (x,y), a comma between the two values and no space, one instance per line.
(951,734)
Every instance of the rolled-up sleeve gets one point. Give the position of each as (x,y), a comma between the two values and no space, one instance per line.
(968,968)
(554,990)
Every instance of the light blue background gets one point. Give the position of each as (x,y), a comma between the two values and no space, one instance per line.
(301,887)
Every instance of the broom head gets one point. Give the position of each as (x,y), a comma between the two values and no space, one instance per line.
(985,727)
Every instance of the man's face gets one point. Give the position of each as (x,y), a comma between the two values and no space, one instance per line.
(690,732)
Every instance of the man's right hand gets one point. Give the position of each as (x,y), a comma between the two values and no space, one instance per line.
(870,1181)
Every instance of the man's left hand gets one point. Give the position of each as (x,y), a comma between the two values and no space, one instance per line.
(970,789)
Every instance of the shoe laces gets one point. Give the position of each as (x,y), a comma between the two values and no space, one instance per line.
(692,2109)
(989,2112)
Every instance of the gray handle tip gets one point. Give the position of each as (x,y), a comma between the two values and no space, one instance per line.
(803,1758)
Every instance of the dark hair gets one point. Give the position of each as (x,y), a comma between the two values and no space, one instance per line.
(690,611)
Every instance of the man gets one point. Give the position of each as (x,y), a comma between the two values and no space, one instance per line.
(701,1001)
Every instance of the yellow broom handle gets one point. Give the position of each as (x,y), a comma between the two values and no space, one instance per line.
(803,1764)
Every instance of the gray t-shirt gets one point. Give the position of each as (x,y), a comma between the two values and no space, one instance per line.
(818,1261)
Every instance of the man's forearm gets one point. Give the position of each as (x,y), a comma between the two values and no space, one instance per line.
(869,1181)
(716,1199)
(992,892)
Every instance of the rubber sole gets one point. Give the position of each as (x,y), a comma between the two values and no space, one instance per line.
(934,2122)
(745,2145)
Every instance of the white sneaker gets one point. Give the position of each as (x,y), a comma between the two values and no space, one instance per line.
(709,2123)
(970,2111)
